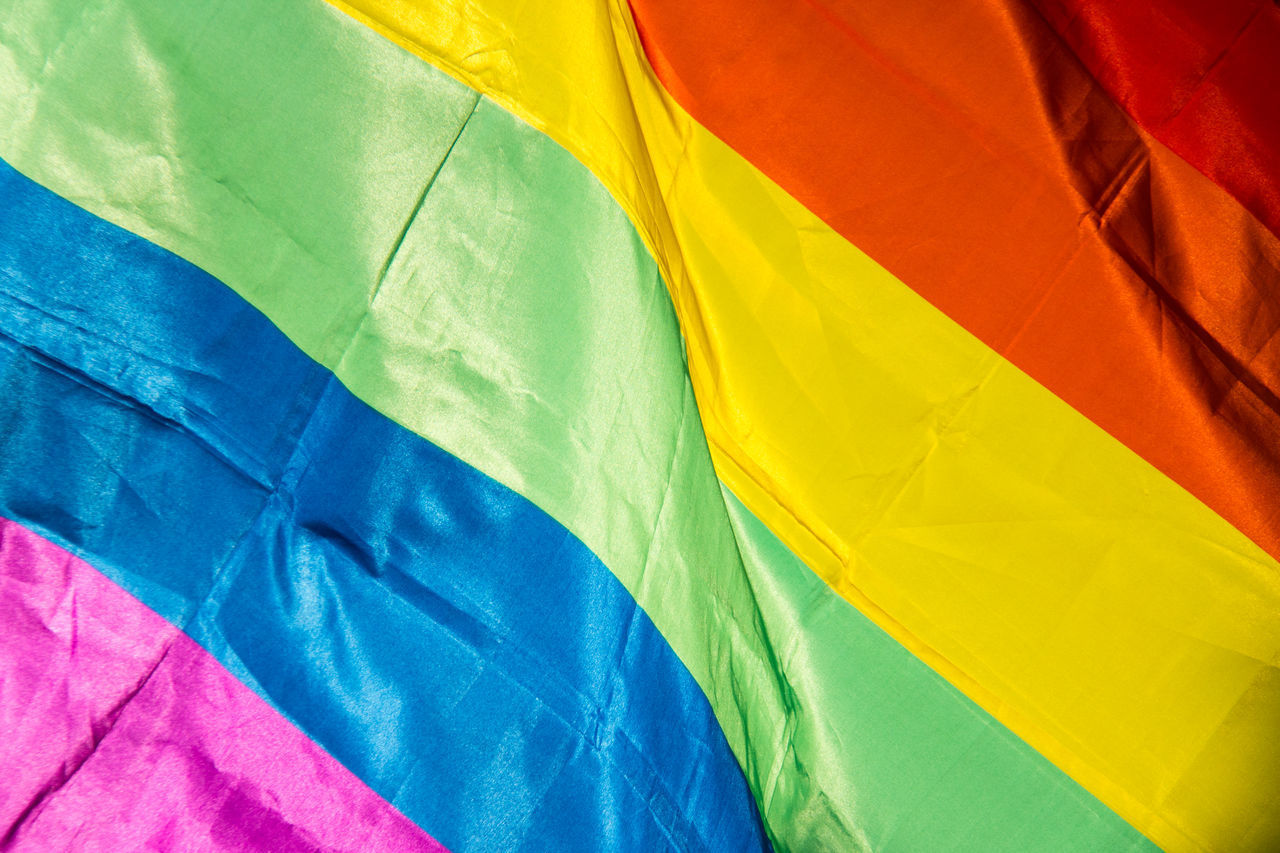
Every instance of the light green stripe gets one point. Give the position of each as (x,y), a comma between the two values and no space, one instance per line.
(465,276)
(929,768)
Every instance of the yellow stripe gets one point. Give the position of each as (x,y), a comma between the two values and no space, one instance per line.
(1105,615)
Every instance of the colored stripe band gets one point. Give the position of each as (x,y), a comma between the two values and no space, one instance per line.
(949,496)
(614,361)
(448,642)
(1046,234)
(123,734)
(682,569)
(1000,776)
(1201,77)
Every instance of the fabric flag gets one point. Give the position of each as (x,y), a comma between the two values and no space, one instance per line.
(600,425)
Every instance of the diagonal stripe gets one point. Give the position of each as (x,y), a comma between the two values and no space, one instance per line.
(448,642)
(926,768)
(606,393)
(123,734)
(1201,76)
(994,531)
(1038,217)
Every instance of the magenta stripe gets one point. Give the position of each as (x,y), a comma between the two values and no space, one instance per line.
(121,733)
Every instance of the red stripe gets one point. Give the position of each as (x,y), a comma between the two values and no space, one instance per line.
(1203,76)
(121,733)
(966,150)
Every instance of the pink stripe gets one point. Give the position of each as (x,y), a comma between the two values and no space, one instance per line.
(121,733)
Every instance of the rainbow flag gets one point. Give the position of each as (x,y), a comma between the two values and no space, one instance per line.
(487,425)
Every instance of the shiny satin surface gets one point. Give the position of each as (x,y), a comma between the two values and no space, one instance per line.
(481,198)
(801,739)
(1074,257)
(1038,219)
(786,708)
(1200,75)
(444,639)
(934,771)
(444,351)
(951,498)
(121,733)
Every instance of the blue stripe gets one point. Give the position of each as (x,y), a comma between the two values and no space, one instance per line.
(444,638)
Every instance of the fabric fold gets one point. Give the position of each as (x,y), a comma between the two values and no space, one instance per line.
(999,534)
(121,733)
(452,646)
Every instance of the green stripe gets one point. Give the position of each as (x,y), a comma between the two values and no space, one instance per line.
(467,277)
(930,769)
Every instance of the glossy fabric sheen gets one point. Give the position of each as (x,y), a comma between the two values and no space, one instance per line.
(1072,239)
(914,734)
(447,641)
(1201,75)
(421,242)
(994,531)
(602,428)
(121,733)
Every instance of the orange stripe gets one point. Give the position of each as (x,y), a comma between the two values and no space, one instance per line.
(969,153)
(1103,613)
